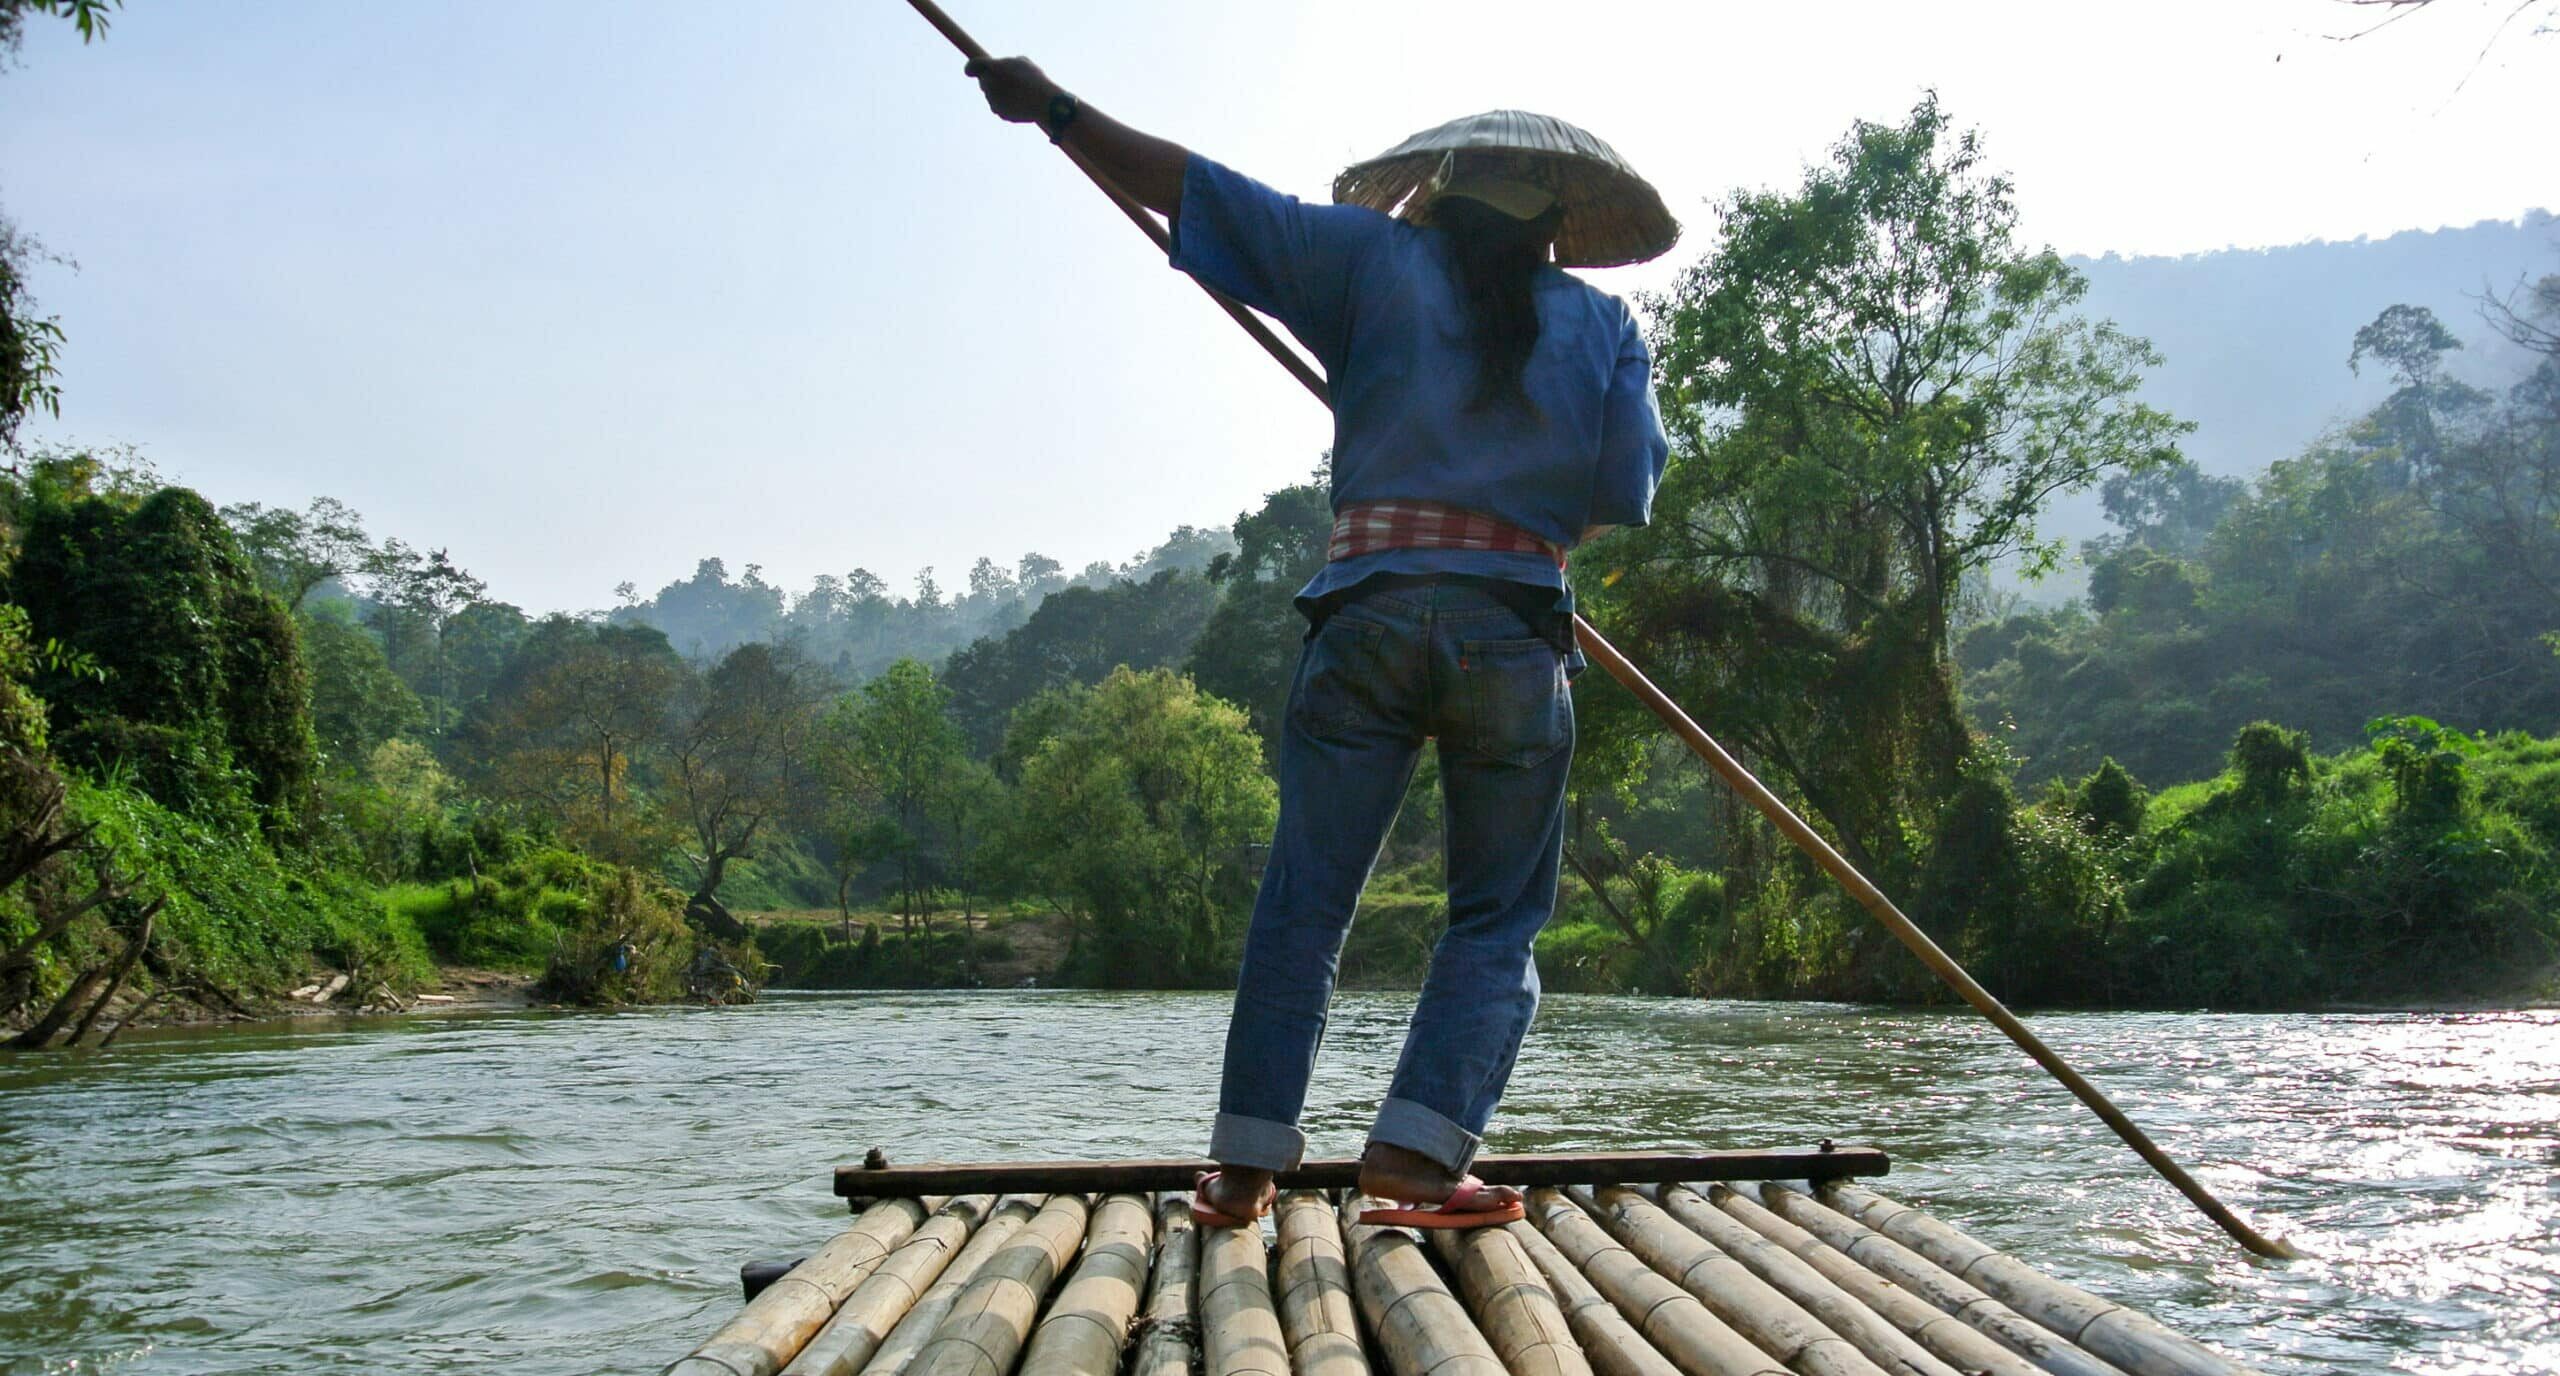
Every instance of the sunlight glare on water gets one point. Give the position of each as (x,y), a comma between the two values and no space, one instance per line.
(573,1193)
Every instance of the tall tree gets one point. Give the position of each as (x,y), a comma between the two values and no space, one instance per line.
(416,597)
(893,752)
(740,762)
(296,551)
(1247,650)
(1873,387)
(1135,817)
(568,722)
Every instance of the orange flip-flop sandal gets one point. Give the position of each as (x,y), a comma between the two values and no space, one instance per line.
(1452,1212)
(1209,1217)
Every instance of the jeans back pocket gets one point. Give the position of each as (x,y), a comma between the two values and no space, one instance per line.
(1519,710)
(1337,676)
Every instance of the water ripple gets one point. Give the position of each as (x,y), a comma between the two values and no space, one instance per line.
(569,1194)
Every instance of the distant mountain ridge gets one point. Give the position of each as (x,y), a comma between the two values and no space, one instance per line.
(2255,340)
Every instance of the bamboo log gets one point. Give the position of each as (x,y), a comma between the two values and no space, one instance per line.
(1088,1323)
(1561,1168)
(924,1319)
(1512,1303)
(863,1322)
(1612,1345)
(1934,1284)
(1885,1345)
(2130,1339)
(1672,1319)
(776,1324)
(1239,1324)
(1170,1345)
(1318,1317)
(1947,1337)
(1420,1327)
(990,1320)
(1777,1324)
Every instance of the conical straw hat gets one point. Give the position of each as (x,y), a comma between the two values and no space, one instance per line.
(1611,215)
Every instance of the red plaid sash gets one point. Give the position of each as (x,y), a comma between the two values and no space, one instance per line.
(1367,527)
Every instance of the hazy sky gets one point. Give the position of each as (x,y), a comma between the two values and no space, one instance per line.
(589,291)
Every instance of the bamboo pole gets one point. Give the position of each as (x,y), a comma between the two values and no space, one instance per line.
(1613,1345)
(1512,1303)
(1778,1325)
(1732,772)
(1885,1345)
(1934,1284)
(1947,1337)
(776,1324)
(1239,1325)
(1420,1328)
(865,1319)
(1909,934)
(924,1319)
(989,1321)
(1170,1345)
(1088,1323)
(1683,1330)
(1318,1317)
(2129,1338)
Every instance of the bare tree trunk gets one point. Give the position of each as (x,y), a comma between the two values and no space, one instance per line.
(40,1036)
(705,909)
(124,967)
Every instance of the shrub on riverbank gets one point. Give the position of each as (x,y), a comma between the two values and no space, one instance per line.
(598,934)
(817,955)
(239,914)
(2425,866)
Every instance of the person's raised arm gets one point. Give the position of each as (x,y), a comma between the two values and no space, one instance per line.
(1148,168)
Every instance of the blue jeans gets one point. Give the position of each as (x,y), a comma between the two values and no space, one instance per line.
(1387,670)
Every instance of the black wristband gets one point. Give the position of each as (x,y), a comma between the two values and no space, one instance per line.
(1061,113)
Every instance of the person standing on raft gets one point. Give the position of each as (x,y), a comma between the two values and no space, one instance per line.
(1489,412)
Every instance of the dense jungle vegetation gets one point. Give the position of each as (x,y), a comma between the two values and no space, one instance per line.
(2284,751)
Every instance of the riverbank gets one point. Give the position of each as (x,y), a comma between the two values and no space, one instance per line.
(819,950)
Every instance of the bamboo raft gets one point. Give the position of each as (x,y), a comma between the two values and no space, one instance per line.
(1770,1263)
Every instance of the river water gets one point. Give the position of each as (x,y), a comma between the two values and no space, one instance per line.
(573,1193)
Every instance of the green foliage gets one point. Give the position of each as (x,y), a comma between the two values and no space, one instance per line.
(357,702)
(1134,818)
(1248,650)
(2411,558)
(597,933)
(891,755)
(1872,388)
(204,690)
(239,913)
(2109,802)
(2341,889)
(815,955)
(2273,764)
(627,941)
(1077,635)
(2425,762)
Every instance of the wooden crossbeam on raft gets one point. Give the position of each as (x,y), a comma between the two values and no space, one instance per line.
(1553,1168)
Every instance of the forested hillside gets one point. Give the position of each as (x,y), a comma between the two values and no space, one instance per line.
(2293,744)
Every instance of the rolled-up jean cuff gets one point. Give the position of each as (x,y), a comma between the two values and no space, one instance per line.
(1259,1143)
(1404,1123)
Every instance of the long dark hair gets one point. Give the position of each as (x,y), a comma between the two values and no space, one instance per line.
(1497,258)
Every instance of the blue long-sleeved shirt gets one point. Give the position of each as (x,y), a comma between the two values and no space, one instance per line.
(1376,301)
